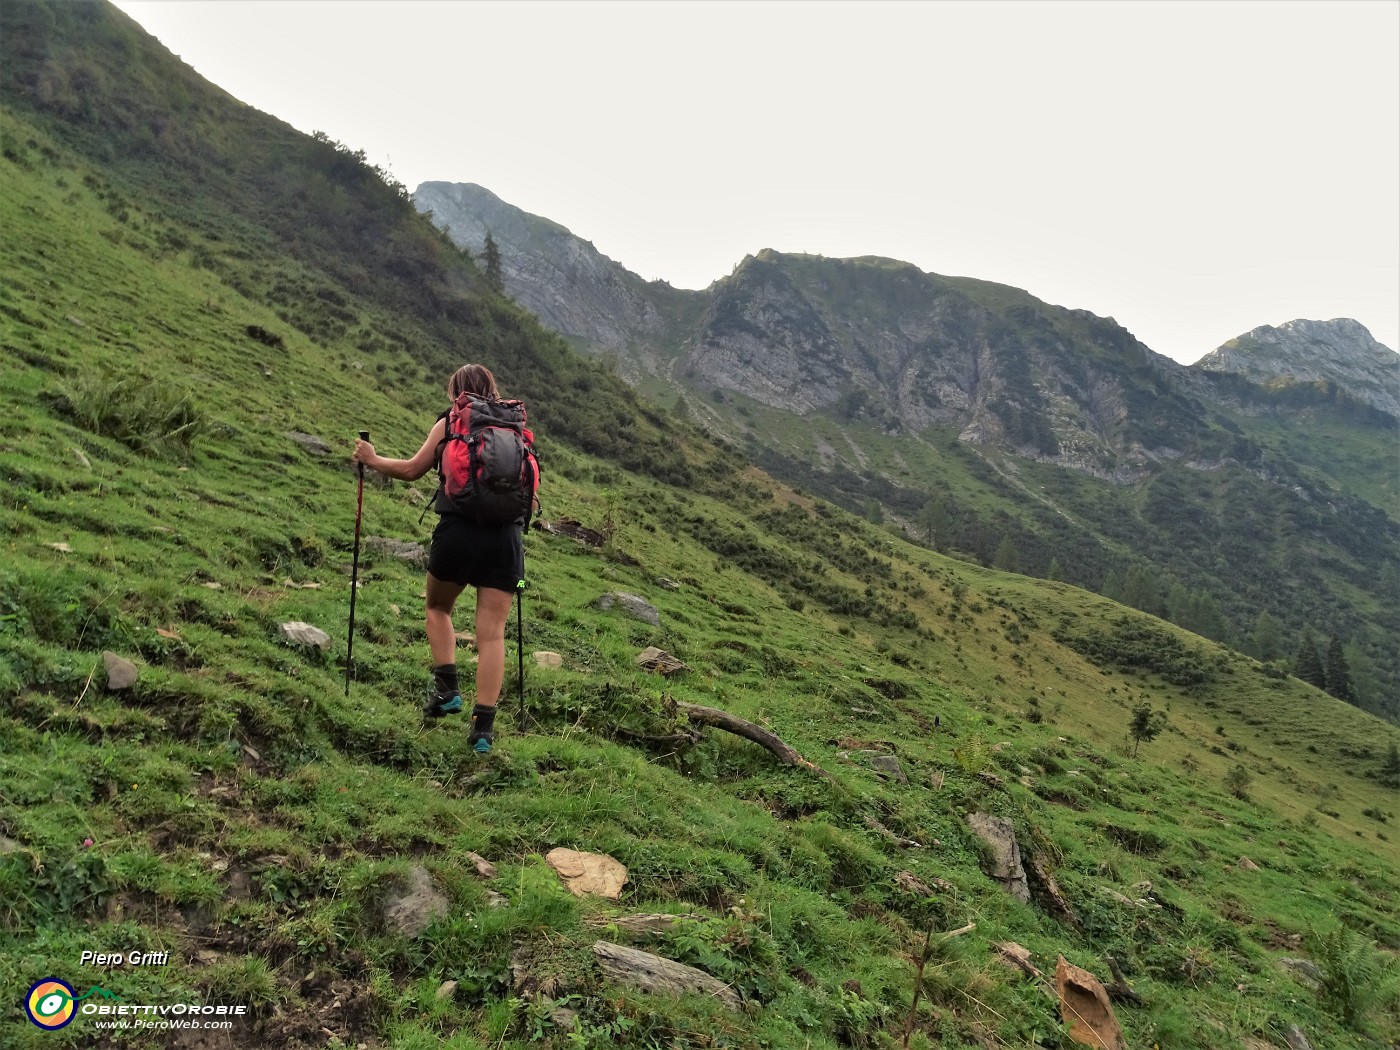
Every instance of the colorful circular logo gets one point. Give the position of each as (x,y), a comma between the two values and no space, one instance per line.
(50,1003)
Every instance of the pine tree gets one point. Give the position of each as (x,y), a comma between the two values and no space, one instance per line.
(1142,591)
(1056,572)
(1390,772)
(1266,642)
(1306,665)
(1146,724)
(1337,677)
(491,255)
(1006,557)
(934,523)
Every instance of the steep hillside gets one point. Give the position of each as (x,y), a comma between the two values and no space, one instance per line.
(571,286)
(174,452)
(980,419)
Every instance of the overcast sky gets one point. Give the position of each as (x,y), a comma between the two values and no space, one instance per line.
(1191,169)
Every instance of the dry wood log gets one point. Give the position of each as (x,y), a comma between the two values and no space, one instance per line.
(652,973)
(1119,989)
(635,928)
(888,835)
(770,741)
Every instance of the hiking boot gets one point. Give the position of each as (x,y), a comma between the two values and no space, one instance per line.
(440,706)
(481,736)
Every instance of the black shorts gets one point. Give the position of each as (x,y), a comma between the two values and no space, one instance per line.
(472,555)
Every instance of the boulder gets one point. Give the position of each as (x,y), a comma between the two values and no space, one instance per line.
(652,973)
(1004,861)
(660,661)
(121,673)
(316,446)
(1085,1008)
(888,766)
(632,605)
(411,910)
(413,553)
(548,661)
(587,874)
(304,634)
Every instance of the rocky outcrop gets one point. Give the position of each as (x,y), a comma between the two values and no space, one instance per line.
(1341,351)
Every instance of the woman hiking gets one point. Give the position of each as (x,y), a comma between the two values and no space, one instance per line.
(464,552)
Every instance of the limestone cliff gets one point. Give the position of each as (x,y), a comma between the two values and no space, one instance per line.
(1340,351)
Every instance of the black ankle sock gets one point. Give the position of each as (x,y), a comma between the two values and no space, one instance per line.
(483,718)
(445,679)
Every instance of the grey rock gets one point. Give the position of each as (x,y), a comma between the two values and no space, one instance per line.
(413,553)
(1004,862)
(653,973)
(632,605)
(888,766)
(305,634)
(1304,968)
(316,446)
(660,661)
(1295,1038)
(411,910)
(121,673)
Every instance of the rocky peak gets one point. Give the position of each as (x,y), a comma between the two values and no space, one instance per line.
(1340,351)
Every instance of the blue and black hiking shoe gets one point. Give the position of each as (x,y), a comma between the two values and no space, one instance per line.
(441,706)
(481,736)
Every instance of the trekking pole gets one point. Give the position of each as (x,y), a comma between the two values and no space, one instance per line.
(520,646)
(355,571)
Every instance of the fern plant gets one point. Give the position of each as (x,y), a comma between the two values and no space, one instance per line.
(1356,978)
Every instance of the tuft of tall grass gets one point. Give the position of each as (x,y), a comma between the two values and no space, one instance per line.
(152,416)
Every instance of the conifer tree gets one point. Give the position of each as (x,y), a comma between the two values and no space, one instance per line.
(1337,677)
(1307,666)
(934,523)
(1056,571)
(1266,642)
(491,256)
(1390,772)
(1146,724)
(1006,557)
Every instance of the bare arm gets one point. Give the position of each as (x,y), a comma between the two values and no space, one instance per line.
(403,469)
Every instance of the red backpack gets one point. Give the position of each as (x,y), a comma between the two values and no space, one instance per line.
(487,462)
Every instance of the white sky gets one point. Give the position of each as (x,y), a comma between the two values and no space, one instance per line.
(1191,169)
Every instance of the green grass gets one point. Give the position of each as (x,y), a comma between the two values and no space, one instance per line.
(253,820)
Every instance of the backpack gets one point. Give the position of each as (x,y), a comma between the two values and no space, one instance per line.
(487,462)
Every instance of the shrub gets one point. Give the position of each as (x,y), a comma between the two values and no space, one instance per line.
(153,416)
(1356,978)
(1237,781)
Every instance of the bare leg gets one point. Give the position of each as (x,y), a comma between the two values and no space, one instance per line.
(492,611)
(442,640)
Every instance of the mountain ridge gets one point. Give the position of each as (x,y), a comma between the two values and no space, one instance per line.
(175,331)
(866,380)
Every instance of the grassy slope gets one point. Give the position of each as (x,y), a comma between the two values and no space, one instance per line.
(241,807)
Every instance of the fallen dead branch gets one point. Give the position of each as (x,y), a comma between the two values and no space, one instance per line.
(770,741)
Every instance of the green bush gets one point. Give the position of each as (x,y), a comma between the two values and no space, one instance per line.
(1356,978)
(151,416)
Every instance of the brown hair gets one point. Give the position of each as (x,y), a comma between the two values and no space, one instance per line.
(473,379)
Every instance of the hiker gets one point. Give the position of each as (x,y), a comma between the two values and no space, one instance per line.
(463,553)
